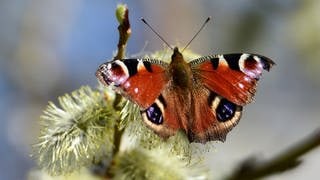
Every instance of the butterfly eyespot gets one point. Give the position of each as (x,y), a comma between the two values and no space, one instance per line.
(154,114)
(225,110)
(114,73)
(251,63)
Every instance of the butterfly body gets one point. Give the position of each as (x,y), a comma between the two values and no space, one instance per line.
(180,71)
(203,97)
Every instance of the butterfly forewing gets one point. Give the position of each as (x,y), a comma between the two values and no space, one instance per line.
(140,80)
(232,76)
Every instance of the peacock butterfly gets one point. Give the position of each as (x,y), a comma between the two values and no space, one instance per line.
(203,97)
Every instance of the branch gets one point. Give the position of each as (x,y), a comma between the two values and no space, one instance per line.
(122,14)
(253,168)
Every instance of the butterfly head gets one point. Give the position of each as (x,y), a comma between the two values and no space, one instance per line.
(176,54)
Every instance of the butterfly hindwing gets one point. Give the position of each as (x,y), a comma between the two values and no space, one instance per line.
(232,76)
(209,116)
(214,116)
(139,80)
(166,115)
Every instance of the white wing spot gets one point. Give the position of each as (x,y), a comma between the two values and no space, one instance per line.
(123,67)
(222,60)
(258,59)
(127,85)
(109,66)
(140,64)
(241,85)
(136,90)
(242,60)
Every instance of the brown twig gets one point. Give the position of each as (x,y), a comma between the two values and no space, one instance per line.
(253,168)
(124,34)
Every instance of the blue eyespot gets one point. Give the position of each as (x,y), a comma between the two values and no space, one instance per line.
(225,110)
(154,114)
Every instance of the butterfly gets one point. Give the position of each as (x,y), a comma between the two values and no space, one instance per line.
(203,97)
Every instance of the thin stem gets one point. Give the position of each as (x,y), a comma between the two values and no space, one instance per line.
(124,34)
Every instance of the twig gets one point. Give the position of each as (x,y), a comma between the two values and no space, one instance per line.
(124,29)
(253,168)
(124,34)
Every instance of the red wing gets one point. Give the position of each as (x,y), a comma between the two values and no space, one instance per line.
(233,76)
(141,81)
(167,114)
(203,115)
(214,116)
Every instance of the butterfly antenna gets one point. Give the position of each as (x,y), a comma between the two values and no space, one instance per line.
(145,22)
(203,25)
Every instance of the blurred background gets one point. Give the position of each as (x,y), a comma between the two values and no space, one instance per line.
(48,48)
